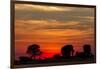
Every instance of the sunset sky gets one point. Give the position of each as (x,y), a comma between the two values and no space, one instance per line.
(52,27)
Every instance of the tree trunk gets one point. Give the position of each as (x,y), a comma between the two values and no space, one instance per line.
(34,57)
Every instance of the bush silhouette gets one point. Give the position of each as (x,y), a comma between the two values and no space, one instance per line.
(25,60)
(57,56)
(67,51)
(34,50)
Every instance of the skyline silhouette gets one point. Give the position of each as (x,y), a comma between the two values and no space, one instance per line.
(66,55)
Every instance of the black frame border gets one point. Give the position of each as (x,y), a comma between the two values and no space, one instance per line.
(12,32)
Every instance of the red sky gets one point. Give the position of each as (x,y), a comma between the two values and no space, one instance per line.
(52,27)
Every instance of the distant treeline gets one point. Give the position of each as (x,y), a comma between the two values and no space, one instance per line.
(67,55)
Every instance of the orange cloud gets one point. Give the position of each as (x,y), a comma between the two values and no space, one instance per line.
(41,7)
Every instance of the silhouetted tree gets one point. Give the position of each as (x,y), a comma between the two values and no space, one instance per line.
(67,51)
(87,48)
(39,54)
(86,52)
(34,50)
